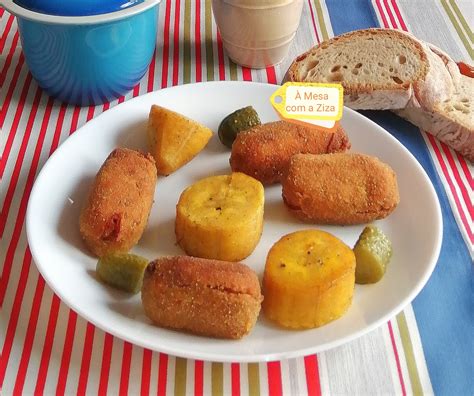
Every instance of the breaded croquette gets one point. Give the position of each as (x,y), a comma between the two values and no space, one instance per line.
(264,151)
(206,297)
(117,209)
(342,188)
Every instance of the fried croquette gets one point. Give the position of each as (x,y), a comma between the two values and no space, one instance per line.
(117,209)
(205,297)
(264,151)
(342,188)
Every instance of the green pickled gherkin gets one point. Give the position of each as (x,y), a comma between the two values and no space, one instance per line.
(373,251)
(122,271)
(236,122)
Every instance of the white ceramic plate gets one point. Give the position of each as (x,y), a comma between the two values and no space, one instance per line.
(415,227)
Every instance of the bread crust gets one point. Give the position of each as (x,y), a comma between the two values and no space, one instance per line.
(341,188)
(264,151)
(205,297)
(431,84)
(116,211)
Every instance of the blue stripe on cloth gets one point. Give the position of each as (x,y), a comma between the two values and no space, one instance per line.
(351,15)
(444,308)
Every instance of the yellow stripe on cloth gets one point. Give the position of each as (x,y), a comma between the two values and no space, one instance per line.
(409,354)
(458,28)
(209,41)
(187,43)
(180,377)
(254,379)
(461,18)
(322,23)
(217,370)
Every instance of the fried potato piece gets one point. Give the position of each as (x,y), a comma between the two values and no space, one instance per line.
(264,151)
(221,217)
(206,297)
(116,211)
(174,139)
(342,188)
(308,280)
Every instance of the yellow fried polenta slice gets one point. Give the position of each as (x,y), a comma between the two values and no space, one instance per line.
(308,280)
(220,217)
(174,139)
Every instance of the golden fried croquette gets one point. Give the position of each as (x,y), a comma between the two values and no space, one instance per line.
(264,151)
(342,188)
(206,297)
(119,203)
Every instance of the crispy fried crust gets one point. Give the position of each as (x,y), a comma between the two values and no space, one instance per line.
(206,297)
(342,188)
(119,203)
(264,151)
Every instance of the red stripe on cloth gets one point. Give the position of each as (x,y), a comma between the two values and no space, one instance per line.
(47,347)
(399,15)
(30,335)
(166,45)
(384,20)
(125,372)
(105,367)
(67,351)
(235,375)
(220,56)
(162,374)
(460,182)
(312,375)
(176,42)
(246,74)
(6,271)
(314,21)
(197,41)
(1,12)
(86,360)
(390,15)
(151,74)
(465,170)
(8,26)
(14,314)
(75,119)
(271,76)
(146,373)
(198,378)
(136,88)
(397,359)
(9,59)
(451,186)
(11,89)
(274,378)
(59,127)
(13,130)
(21,156)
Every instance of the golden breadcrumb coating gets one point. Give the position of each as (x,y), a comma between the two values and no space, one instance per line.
(117,209)
(342,188)
(206,297)
(264,151)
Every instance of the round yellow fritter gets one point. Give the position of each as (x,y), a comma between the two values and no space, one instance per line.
(308,280)
(221,217)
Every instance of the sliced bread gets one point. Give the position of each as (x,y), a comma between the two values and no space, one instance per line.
(379,69)
(451,121)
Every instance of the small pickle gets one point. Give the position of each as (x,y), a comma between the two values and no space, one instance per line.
(122,271)
(373,251)
(236,122)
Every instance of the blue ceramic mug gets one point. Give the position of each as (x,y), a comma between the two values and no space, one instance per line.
(86,59)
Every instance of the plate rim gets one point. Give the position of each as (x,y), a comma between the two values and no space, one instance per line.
(235,358)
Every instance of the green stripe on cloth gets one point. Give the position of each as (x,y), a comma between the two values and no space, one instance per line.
(217,375)
(209,42)
(458,28)
(254,379)
(322,23)
(233,70)
(462,20)
(187,43)
(180,377)
(409,354)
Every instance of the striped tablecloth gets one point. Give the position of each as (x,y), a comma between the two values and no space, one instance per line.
(46,348)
